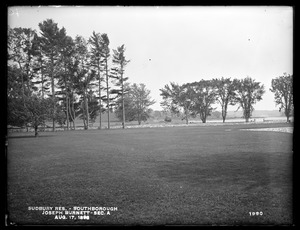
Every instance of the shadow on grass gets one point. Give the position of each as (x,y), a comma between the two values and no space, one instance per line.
(16,137)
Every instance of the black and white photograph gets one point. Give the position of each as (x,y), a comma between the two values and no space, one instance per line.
(149,115)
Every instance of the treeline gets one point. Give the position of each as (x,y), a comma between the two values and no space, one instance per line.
(198,98)
(52,76)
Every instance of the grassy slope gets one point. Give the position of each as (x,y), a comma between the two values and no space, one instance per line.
(179,175)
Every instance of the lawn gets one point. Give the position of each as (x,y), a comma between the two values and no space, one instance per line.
(173,175)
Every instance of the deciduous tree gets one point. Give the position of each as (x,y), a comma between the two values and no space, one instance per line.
(142,100)
(248,92)
(34,112)
(22,49)
(203,97)
(225,93)
(178,97)
(137,103)
(282,87)
(84,75)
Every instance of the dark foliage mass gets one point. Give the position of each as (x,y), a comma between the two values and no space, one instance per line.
(137,101)
(282,87)
(198,98)
(68,74)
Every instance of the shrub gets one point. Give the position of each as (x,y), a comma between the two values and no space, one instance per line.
(168,119)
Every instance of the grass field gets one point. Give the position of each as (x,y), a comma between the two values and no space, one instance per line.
(176,175)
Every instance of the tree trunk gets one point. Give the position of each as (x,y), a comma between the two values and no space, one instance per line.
(87,114)
(74,116)
(203,118)
(224,112)
(53,114)
(53,96)
(84,123)
(36,131)
(23,92)
(67,99)
(186,116)
(287,113)
(223,115)
(86,110)
(100,106)
(123,112)
(42,73)
(107,92)
(27,73)
(123,104)
(42,85)
(67,112)
(247,112)
(83,112)
(139,118)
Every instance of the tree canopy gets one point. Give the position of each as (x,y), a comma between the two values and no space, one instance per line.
(198,98)
(63,78)
(248,92)
(64,71)
(282,87)
(137,101)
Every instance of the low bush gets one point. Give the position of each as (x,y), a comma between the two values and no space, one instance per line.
(168,119)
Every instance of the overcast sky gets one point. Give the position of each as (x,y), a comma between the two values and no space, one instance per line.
(183,44)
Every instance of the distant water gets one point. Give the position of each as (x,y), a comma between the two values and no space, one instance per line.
(251,119)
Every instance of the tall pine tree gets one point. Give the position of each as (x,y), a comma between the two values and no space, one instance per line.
(120,62)
(96,58)
(51,36)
